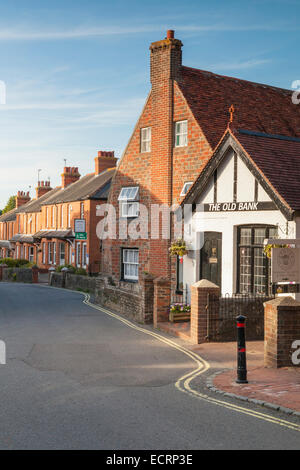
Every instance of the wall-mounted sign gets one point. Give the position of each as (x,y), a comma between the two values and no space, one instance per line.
(285,264)
(79,225)
(80,235)
(239,206)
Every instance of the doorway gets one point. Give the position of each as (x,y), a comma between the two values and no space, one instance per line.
(211,258)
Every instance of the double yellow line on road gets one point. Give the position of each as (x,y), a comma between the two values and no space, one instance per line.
(184,383)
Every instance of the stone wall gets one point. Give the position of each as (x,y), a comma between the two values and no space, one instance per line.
(17,274)
(73,281)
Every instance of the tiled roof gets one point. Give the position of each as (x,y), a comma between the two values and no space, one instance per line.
(86,188)
(8,216)
(257,107)
(36,204)
(278,158)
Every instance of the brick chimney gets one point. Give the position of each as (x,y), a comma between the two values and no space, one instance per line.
(22,198)
(104,161)
(69,176)
(165,69)
(165,59)
(42,188)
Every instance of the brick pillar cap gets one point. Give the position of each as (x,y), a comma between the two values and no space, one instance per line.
(283,302)
(205,283)
(147,276)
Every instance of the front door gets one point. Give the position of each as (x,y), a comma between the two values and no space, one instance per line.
(211,257)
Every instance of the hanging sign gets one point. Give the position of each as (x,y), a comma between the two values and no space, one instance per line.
(285,265)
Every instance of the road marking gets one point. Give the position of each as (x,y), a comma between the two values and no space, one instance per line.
(183,384)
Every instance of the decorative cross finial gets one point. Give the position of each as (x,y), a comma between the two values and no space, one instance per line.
(231,110)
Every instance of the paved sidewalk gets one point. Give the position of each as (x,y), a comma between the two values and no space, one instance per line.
(278,386)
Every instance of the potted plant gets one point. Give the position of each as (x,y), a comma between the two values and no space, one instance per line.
(179,312)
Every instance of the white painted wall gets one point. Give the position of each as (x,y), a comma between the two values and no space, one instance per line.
(227,222)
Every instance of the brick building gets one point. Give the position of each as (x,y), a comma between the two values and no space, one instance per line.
(44,228)
(184,117)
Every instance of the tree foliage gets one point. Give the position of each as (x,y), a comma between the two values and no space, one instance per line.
(11,204)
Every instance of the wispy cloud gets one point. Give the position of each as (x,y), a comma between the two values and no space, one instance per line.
(23,34)
(242,65)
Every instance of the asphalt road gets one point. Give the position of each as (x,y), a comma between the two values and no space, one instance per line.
(77,378)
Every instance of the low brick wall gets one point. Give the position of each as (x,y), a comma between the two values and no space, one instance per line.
(133,300)
(17,275)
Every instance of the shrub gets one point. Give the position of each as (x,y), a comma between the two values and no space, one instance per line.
(81,271)
(15,263)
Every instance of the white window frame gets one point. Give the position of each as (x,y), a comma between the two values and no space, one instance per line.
(78,255)
(62,260)
(128,260)
(129,206)
(50,252)
(186,187)
(130,209)
(69,216)
(82,210)
(53,216)
(145,139)
(129,193)
(84,254)
(47,218)
(54,252)
(44,253)
(31,254)
(181,133)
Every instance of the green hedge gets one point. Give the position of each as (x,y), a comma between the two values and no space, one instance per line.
(16,263)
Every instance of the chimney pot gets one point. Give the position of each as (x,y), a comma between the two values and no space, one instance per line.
(170,34)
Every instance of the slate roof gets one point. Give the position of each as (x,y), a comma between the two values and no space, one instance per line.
(9,216)
(35,204)
(54,234)
(258,107)
(19,237)
(90,186)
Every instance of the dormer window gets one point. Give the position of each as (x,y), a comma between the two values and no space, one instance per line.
(129,205)
(181,134)
(186,188)
(146,139)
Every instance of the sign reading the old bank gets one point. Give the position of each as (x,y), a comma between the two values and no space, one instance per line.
(239,206)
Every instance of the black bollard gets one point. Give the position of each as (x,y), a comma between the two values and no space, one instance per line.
(241,351)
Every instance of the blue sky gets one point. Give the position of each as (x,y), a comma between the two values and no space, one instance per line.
(77,72)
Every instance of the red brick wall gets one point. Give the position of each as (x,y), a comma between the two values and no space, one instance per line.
(162,172)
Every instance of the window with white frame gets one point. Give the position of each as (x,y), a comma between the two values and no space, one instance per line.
(62,217)
(130,264)
(82,210)
(180,133)
(78,251)
(69,215)
(129,206)
(44,252)
(186,188)
(47,218)
(31,254)
(50,253)
(84,255)
(53,216)
(146,139)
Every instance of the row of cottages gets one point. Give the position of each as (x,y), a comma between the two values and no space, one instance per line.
(187,146)
(42,230)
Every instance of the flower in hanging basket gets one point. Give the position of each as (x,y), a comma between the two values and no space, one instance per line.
(178,248)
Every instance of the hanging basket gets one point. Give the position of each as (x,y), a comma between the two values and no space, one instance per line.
(178,248)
